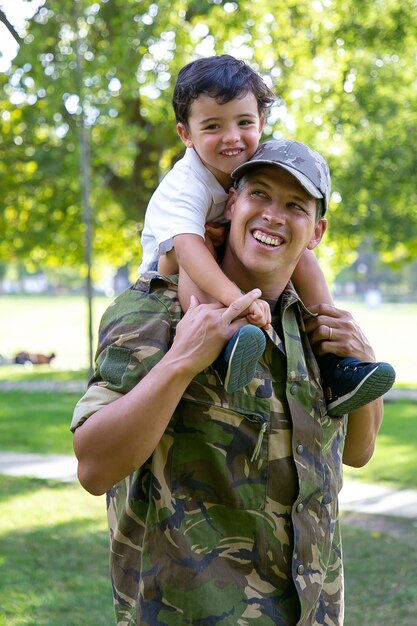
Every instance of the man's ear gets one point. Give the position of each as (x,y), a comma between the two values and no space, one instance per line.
(184,135)
(230,204)
(320,228)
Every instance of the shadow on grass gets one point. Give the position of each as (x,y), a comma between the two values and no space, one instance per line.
(380,556)
(53,572)
(56,575)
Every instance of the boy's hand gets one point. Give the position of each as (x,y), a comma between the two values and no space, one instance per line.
(259,314)
(216,233)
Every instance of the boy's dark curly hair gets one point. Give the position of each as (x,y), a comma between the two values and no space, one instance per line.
(221,77)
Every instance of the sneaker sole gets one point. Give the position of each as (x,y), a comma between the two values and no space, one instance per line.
(244,357)
(378,382)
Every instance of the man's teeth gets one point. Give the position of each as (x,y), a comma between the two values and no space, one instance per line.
(270,241)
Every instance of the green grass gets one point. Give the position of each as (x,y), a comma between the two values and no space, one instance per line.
(48,324)
(54,560)
(380,557)
(39,422)
(54,555)
(36,422)
(59,324)
(395,459)
(19,373)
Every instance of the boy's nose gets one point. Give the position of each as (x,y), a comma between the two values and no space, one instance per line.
(231,135)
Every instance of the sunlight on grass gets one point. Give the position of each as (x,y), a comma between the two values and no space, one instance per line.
(40,372)
(380,570)
(59,324)
(394,462)
(54,547)
(36,422)
(51,503)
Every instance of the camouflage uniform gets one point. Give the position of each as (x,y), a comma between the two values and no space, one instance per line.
(233,520)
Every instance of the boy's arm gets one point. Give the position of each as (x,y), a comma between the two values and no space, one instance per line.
(199,264)
(362,429)
(309,281)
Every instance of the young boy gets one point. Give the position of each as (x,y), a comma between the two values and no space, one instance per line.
(220,105)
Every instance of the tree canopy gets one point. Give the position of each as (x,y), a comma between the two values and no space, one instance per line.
(343,73)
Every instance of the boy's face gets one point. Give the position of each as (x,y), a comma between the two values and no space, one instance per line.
(223,135)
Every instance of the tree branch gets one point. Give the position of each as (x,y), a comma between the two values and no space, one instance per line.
(9,26)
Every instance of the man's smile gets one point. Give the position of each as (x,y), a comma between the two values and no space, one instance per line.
(269,240)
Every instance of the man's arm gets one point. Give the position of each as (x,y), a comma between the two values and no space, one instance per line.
(347,339)
(121,436)
(362,429)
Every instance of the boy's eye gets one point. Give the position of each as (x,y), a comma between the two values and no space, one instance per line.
(246,122)
(212,127)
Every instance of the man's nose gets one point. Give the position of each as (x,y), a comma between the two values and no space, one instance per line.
(275,213)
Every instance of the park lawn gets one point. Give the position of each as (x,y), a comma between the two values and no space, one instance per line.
(380,559)
(59,324)
(394,462)
(54,555)
(27,373)
(39,422)
(36,422)
(54,560)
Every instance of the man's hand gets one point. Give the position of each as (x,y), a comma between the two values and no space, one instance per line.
(206,328)
(334,330)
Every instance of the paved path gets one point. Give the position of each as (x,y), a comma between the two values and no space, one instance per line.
(79,386)
(355,496)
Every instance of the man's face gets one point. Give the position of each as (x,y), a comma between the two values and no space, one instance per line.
(273,220)
(223,135)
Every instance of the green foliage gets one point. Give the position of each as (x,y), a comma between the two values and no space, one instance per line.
(344,79)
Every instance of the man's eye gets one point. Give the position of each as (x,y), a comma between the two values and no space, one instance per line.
(297,207)
(258,193)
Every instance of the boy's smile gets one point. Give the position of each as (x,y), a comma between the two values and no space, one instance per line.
(223,135)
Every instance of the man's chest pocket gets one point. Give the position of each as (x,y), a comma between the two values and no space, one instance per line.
(220,455)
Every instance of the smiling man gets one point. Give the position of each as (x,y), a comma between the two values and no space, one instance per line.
(223,508)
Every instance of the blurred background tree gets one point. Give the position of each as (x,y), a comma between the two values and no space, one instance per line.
(343,73)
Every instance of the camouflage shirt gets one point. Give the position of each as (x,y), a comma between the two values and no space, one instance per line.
(233,520)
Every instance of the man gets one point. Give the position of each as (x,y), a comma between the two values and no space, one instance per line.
(223,508)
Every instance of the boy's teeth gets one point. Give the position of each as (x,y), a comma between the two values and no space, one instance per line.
(270,241)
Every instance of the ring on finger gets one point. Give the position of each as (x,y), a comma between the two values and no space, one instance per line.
(330,333)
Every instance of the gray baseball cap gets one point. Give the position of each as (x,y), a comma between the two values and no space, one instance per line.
(305,164)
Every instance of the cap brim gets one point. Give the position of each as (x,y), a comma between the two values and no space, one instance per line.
(302,179)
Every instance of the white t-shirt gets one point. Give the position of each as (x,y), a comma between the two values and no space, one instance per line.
(185,200)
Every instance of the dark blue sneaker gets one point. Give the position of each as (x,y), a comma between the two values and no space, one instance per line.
(240,357)
(353,384)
